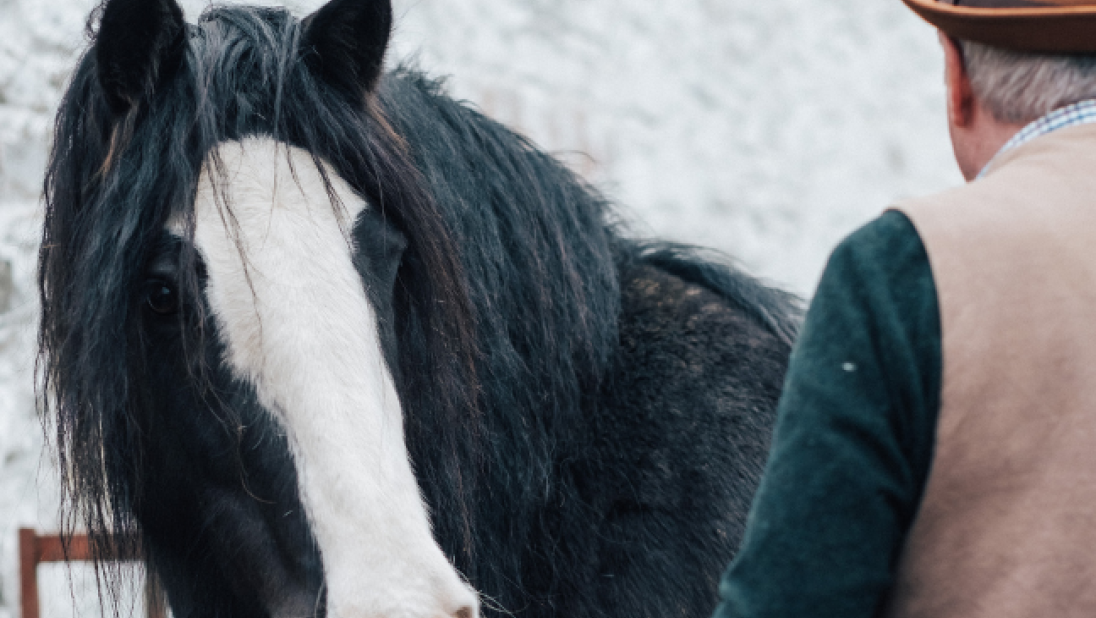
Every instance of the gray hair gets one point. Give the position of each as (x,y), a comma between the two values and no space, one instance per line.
(1019,87)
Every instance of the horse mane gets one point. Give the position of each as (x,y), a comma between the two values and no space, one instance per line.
(506,302)
(778,311)
(543,286)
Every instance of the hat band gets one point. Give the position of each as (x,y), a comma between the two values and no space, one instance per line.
(997,4)
(1019,4)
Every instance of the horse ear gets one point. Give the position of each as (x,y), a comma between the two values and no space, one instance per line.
(344,43)
(138,41)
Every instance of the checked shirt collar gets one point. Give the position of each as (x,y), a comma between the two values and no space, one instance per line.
(1068,116)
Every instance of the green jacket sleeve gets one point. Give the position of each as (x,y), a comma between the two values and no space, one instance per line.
(853,440)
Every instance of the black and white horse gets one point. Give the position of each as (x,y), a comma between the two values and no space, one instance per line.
(323,341)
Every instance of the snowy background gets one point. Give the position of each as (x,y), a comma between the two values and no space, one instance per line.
(766,129)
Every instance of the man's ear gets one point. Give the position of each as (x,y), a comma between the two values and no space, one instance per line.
(960,93)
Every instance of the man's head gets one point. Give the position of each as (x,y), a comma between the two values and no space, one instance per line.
(1019,87)
(1008,63)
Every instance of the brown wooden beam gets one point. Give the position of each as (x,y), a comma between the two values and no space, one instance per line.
(35,549)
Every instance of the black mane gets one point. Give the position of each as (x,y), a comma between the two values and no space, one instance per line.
(545,300)
(506,304)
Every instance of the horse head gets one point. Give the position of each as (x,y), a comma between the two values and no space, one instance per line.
(235,243)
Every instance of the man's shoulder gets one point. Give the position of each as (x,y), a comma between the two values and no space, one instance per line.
(1050,174)
(884,255)
(1025,228)
(885,235)
(972,200)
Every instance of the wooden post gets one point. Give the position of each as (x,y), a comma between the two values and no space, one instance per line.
(35,549)
(28,572)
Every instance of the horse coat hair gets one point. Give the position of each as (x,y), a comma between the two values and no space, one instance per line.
(587,415)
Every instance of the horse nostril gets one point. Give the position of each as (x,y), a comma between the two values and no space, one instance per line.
(465,612)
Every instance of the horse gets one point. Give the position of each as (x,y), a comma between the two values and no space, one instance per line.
(318,340)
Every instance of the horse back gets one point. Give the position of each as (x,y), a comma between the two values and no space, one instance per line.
(683,430)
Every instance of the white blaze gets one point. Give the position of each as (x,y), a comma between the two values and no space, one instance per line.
(297,325)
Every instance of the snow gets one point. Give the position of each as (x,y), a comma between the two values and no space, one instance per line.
(768,130)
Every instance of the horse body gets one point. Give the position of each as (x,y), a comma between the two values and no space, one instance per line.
(332,343)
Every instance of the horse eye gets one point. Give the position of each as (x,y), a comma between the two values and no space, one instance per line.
(161,297)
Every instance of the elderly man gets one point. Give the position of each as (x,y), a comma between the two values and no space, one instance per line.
(935,453)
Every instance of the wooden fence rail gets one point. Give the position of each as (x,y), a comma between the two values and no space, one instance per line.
(35,549)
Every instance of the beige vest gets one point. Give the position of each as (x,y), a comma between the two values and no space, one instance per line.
(1007,527)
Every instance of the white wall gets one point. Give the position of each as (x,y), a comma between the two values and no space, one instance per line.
(766,129)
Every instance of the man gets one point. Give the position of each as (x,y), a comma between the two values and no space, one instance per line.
(935,453)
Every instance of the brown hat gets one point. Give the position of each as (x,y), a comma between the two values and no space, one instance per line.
(1047,26)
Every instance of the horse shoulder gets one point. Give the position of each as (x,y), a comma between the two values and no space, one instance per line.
(684,426)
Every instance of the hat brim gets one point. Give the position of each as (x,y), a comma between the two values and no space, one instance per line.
(1044,29)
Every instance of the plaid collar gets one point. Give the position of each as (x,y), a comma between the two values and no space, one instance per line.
(1068,116)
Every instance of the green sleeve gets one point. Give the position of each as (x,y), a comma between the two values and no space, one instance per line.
(853,440)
